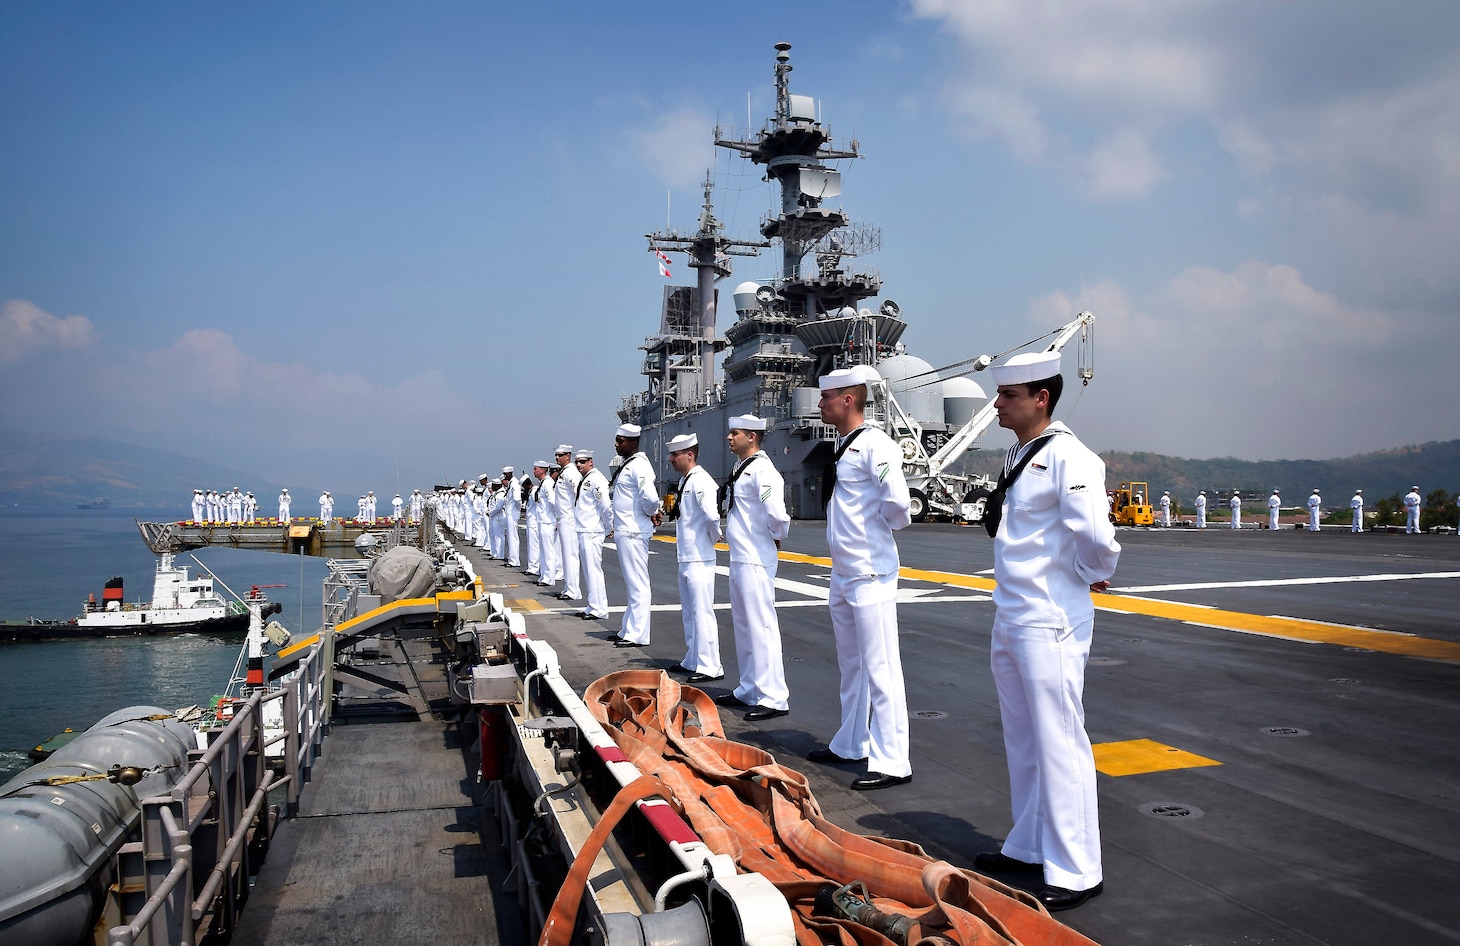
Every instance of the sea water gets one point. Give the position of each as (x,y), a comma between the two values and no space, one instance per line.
(50,563)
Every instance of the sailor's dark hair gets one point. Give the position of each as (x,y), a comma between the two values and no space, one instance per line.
(1055,386)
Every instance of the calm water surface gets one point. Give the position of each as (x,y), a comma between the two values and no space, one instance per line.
(48,565)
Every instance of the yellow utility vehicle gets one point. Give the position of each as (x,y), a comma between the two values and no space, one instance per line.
(1132,505)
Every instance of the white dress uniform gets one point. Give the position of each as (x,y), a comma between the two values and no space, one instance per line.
(1166,508)
(497,522)
(284,507)
(1201,510)
(868,503)
(395,507)
(566,491)
(235,506)
(550,567)
(511,514)
(756,520)
(1273,504)
(1315,509)
(370,506)
(593,515)
(417,506)
(1411,511)
(324,507)
(634,500)
(197,505)
(250,507)
(696,530)
(534,532)
(1235,504)
(1052,544)
(1357,505)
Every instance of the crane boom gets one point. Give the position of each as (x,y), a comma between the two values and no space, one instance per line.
(971,431)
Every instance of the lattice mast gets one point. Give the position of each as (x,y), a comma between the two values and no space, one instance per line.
(709,252)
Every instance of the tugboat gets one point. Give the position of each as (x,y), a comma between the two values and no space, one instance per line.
(180,604)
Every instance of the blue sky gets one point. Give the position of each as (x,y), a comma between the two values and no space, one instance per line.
(329,241)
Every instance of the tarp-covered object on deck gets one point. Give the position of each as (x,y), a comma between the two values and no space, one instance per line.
(402,572)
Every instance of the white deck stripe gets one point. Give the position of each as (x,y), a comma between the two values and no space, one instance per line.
(1279,582)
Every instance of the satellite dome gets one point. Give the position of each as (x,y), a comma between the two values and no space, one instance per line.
(745,296)
(960,400)
(915,384)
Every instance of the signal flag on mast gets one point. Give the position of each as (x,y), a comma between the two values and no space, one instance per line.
(663,263)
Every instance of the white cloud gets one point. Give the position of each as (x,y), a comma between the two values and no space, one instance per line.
(26,329)
(1252,362)
(1124,165)
(676,146)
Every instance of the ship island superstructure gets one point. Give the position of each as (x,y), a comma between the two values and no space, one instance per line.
(807,321)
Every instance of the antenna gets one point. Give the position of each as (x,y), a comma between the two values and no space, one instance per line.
(667,218)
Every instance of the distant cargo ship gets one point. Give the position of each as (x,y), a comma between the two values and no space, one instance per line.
(101,502)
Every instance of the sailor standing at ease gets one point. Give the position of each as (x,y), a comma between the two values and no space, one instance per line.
(1053,546)
(635,503)
(696,530)
(593,515)
(284,506)
(1411,510)
(867,500)
(1273,508)
(1201,509)
(1315,510)
(1356,505)
(566,492)
(756,522)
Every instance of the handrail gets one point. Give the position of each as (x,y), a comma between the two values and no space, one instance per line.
(200,842)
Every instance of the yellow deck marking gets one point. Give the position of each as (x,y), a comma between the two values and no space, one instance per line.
(1138,756)
(523,604)
(295,648)
(1296,629)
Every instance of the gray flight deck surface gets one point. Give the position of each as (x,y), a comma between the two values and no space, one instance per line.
(1342,826)
(1348,834)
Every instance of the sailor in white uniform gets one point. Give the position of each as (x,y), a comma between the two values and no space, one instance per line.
(1166,508)
(696,530)
(635,503)
(1052,548)
(197,505)
(1235,504)
(284,506)
(1201,509)
(1412,503)
(324,507)
(1315,510)
(395,507)
(593,515)
(418,503)
(566,491)
(370,506)
(235,505)
(509,515)
(866,501)
(496,508)
(550,560)
(756,522)
(1357,505)
(1273,508)
(250,506)
(533,564)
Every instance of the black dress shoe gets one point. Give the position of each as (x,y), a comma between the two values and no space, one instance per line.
(587,617)
(624,643)
(1058,898)
(872,781)
(563,595)
(703,678)
(826,755)
(730,699)
(765,712)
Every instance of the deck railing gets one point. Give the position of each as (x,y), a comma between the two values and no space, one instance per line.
(202,844)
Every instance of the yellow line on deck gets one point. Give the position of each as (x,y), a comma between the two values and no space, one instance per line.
(1296,629)
(1139,756)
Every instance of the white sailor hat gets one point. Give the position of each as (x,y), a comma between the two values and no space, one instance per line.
(1166,492)
(1416,486)
(1359,490)
(506,469)
(682,442)
(286,489)
(1315,489)
(1027,367)
(584,454)
(540,463)
(849,377)
(563,448)
(1201,492)
(632,431)
(747,422)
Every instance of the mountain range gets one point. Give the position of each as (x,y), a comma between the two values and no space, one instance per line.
(50,470)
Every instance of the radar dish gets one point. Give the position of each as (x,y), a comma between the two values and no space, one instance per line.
(889,309)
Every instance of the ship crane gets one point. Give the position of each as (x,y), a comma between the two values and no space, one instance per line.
(933,488)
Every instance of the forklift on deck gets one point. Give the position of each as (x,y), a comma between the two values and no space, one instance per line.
(1132,505)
